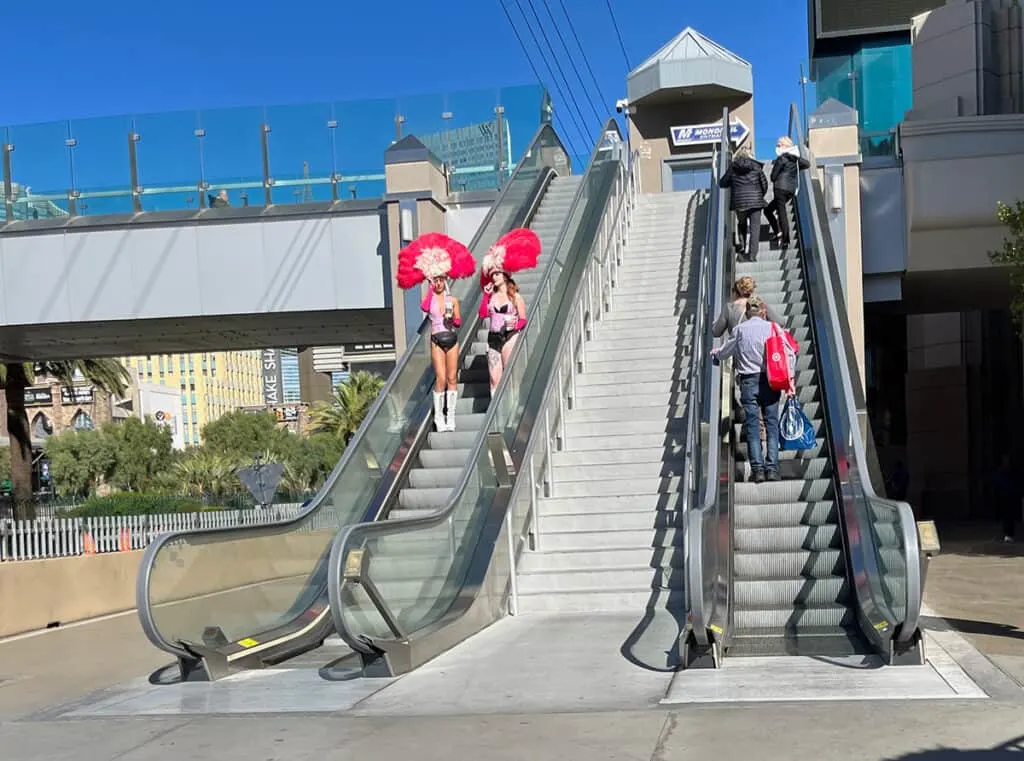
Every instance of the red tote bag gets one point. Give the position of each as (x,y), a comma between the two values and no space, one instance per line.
(777,359)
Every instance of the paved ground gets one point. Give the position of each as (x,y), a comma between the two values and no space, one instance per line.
(49,684)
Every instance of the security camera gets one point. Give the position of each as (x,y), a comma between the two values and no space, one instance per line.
(622,104)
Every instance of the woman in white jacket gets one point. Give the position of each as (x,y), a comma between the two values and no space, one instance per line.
(787,164)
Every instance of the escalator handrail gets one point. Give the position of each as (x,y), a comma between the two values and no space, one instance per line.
(701,612)
(142,587)
(339,547)
(856,407)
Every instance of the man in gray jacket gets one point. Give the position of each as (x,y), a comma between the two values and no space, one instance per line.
(747,347)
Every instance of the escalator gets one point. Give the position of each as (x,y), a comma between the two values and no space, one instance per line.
(405,590)
(816,564)
(221,600)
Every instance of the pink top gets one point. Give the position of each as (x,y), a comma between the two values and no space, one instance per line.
(505,316)
(432,307)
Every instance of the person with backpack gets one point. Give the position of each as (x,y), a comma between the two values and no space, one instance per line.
(757,397)
(745,176)
(787,164)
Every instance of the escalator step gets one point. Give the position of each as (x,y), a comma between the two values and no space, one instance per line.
(786,593)
(834,643)
(786,514)
(783,565)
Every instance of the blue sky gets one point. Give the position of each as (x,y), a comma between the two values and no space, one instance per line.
(66,60)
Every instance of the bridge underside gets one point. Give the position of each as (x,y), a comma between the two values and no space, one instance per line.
(117,338)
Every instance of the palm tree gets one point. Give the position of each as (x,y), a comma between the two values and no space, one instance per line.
(206,474)
(343,415)
(105,374)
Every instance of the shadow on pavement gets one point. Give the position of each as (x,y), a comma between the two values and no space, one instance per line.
(1009,751)
(967,626)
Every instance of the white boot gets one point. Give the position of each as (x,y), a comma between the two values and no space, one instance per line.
(452,397)
(439,421)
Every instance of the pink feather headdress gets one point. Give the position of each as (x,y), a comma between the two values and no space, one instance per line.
(433,255)
(516,250)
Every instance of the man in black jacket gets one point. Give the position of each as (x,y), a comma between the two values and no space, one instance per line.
(784,177)
(746,177)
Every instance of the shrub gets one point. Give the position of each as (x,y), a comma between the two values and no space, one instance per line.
(135,504)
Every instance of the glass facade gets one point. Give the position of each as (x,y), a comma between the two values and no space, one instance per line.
(873,76)
(291,388)
(250,156)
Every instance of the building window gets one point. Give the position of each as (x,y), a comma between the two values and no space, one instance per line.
(42,428)
(181,364)
(82,422)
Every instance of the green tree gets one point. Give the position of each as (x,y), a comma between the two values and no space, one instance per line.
(141,450)
(107,375)
(79,461)
(352,400)
(5,463)
(205,473)
(311,461)
(241,435)
(1011,255)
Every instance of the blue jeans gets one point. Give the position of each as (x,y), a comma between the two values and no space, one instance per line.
(757,396)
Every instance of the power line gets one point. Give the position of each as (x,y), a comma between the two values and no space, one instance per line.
(572,28)
(618,34)
(529,59)
(572,62)
(551,50)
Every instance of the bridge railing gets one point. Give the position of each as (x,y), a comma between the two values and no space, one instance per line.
(259,156)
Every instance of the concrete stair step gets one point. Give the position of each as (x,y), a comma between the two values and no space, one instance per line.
(664,386)
(646,472)
(577,430)
(624,378)
(594,540)
(624,411)
(613,600)
(625,441)
(638,520)
(610,557)
(612,457)
(597,580)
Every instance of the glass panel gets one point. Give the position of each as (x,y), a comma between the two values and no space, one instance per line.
(232,154)
(420,571)
(265,577)
(102,174)
(41,169)
(170,169)
(300,152)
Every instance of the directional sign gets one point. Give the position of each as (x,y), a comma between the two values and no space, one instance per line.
(701,134)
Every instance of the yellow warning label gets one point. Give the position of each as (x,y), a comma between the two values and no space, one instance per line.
(248,642)
(881,625)
(715,629)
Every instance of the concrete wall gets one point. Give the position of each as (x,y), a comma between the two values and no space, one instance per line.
(956,170)
(193,586)
(464,220)
(138,272)
(649,131)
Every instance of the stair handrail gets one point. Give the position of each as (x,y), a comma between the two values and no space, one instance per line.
(340,545)
(707,592)
(142,588)
(852,458)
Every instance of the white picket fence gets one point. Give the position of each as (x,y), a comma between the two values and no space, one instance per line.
(64,537)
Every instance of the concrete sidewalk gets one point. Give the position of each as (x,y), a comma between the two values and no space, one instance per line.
(977,586)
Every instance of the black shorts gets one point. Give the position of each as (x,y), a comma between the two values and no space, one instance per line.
(445,339)
(496,339)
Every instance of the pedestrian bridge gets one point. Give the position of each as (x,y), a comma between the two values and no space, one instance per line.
(195,280)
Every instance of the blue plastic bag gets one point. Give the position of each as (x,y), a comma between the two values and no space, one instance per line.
(796,432)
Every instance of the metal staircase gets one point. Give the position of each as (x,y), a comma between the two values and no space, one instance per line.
(790,589)
(609,533)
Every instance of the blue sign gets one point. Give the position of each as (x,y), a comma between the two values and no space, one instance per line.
(701,134)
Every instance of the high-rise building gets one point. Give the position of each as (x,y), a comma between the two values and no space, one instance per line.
(211,383)
(291,392)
